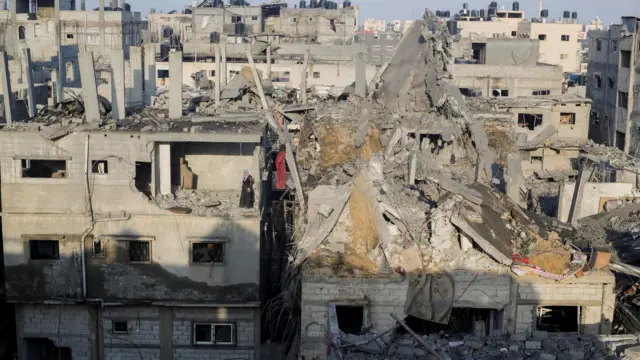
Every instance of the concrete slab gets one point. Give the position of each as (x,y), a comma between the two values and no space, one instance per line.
(118,110)
(7,93)
(149,72)
(137,88)
(175,91)
(89,87)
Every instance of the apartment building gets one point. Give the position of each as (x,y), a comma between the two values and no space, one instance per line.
(482,69)
(380,45)
(559,42)
(37,25)
(371,24)
(614,83)
(132,244)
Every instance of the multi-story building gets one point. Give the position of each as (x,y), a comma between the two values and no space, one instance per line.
(380,45)
(39,26)
(132,244)
(372,24)
(614,84)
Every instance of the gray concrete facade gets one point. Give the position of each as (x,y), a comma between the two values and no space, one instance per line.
(175,92)
(380,47)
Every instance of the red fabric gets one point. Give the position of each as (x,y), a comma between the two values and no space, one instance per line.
(281,170)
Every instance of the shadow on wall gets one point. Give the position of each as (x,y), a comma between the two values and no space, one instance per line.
(126,265)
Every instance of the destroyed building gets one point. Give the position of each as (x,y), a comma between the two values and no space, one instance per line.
(614,69)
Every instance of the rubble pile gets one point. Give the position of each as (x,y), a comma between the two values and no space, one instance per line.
(202,203)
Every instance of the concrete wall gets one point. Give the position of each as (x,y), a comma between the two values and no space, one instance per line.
(219,166)
(380,46)
(501,51)
(36,208)
(519,80)
(157,332)
(316,23)
(517,296)
(553,50)
(487,29)
(594,192)
(551,117)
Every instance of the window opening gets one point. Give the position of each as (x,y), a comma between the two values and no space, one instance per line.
(541,92)
(120,327)
(542,37)
(143,177)
(461,321)
(56,169)
(207,252)
(479,52)
(623,99)
(598,44)
(139,251)
(21,33)
(598,81)
(529,121)
(625,59)
(558,318)
(98,248)
(568,118)
(564,37)
(612,83)
(99,167)
(44,249)
(213,334)
(316,75)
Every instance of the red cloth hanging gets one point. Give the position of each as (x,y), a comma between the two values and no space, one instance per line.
(281,170)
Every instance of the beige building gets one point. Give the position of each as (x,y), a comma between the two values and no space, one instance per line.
(371,24)
(559,42)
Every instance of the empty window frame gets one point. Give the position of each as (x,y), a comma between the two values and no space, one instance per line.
(44,169)
(143,176)
(514,34)
(564,38)
(542,37)
(541,92)
(568,118)
(595,118)
(625,59)
(614,45)
(163,74)
(350,318)
(236,19)
(214,334)
(623,99)
(597,81)
(210,252)
(564,56)
(98,248)
(99,167)
(598,45)
(44,249)
(69,36)
(139,251)
(529,121)
(558,318)
(21,33)
(500,92)
(612,83)
(119,327)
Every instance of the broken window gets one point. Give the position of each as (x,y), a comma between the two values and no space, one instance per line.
(623,99)
(207,253)
(500,92)
(542,37)
(40,348)
(143,176)
(479,52)
(139,251)
(69,36)
(620,139)
(98,248)
(47,169)
(625,59)
(236,19)
(598,44)
(612,83)
(119,327)
(597,81)
(21,33)
(44,249)
(558,318)
(568,118)
(529,121)
(214,334)
(350,318)
(541,92)
(461,321)
(468,92)
(99,167)
(564,37)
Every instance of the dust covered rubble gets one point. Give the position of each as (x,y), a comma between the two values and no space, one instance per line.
(403,165)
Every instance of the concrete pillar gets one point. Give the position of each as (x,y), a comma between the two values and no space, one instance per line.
(31,103)
(83,6)
(4,4)
(514,178)
(61,76)
(218,88)
(175,85)
(269,62)
(137,89)
(166,333)
(101,19)
(149,72)
(413,166)
(118,110)
(122,4)
(303,78)
(584,175)
(164,165)
(89,87)
(223,75)
(361,77)
(56,22)
(7,94)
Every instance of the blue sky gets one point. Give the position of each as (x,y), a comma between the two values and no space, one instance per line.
(608,10)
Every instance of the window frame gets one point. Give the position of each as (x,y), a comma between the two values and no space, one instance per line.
(542,37)
(95,165)
(56,239)
(220,240)
(212,342)
(129,241)
(43,158)
(113,327)
(565,37)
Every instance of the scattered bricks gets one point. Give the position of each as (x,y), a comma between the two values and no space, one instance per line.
(546,356)
(539,335)
(577,354)
(519,336)
(532,345)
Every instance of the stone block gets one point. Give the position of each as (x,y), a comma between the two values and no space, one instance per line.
(539,335)
(533,345)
